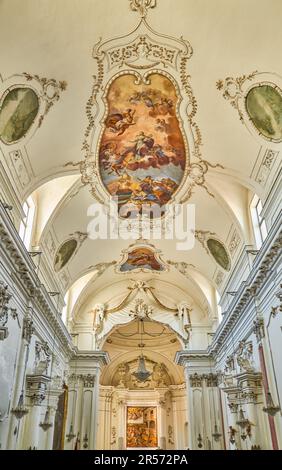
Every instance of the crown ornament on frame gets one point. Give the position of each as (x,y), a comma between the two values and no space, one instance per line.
(142,6)
(150,62)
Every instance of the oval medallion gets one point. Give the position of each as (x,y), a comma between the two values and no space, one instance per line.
(219,253)
(64,254)
(142,152)
(17,114)
(264,107)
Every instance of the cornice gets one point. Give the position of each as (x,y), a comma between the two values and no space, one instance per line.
(261,270)
(24,275)
(182,357)
(101,358)
(263,267)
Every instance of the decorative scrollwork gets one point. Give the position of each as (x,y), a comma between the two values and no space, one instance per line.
(232,90)
(51,91)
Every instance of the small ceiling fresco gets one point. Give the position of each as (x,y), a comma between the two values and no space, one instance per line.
(18,112)
(142,153)
(214,247)
(68,249)
(259,105)
(143,257)
(219,252)
(264,107)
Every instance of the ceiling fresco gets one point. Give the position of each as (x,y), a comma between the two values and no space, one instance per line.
(148,128)
(141,258)
(258,100)
(68,249)
(142,153)
(18,111)
(264,106)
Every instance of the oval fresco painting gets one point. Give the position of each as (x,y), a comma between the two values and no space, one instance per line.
(17,114)
(141,258)
(142,152)
(264,107)
(219,252)
(64,254)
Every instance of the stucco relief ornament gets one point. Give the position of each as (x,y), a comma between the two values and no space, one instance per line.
(257,97)
(141,310)
(141,116)
(142,6)
(5,297)
(42,356)
(122,372)
(232,91)
(184,319)
(181,266)
(245,356)
(229,364)
(50,91)
(99,311)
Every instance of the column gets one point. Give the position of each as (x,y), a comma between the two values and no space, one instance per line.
(36,392)
(52,404)
(202,402)
(121,431)
(50,431)
(27,331)
(86,366)
(162,427)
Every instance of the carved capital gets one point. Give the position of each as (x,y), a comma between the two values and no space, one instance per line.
(88,380)
(233,407)
(196,380)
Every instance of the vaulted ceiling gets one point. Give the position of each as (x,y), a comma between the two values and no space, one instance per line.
(55,39)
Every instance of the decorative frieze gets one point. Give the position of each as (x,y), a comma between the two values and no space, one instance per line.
(234,243)
(20,169)
(266,166)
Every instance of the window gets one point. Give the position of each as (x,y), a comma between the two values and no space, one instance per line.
(26,226)
(219,309)
(258,221)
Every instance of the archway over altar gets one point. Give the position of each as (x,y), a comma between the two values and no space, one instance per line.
(148,413)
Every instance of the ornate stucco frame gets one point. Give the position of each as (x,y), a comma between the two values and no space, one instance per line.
(141,244)
(48,91)
(235,90)
(143,52)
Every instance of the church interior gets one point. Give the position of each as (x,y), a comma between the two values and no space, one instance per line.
(123,329)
